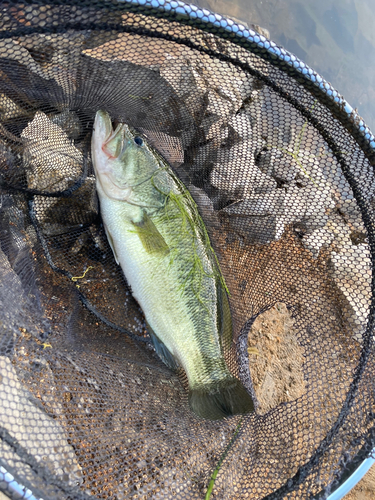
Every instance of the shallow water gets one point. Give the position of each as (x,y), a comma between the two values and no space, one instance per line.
(335,37)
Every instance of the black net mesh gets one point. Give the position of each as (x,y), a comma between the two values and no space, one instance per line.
(286,190)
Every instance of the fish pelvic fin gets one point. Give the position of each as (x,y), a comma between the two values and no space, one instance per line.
(220,400)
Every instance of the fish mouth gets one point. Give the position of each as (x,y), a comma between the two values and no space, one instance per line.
(113,139)
(114,145)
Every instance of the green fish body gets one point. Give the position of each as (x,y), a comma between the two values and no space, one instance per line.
(160,241)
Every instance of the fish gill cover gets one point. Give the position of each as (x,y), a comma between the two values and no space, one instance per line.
(282,174)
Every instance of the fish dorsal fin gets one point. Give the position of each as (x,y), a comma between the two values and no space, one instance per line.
(162,351)
(152,241)
(111,243)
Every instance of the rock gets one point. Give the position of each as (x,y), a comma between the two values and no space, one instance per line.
(279,165)
(176,67)
(9,169)
(187,84)
(170,147)
(53,162)
(316,240)
(215,129)
(277,370)
(9,110)
(156,53)
(235,86)
(35,431)
(308,207)
(206,207)
(241,182)
(68,213)
(206,156)
(259,219)
(241,124)
(50,56)
(259,205)
(152,103)
(221,105)
(262,31)
(239,154)
(237,161)
(258,230)
(352,215)
(264,109)
(69,122)
(12,298)
(341,231)
(20,301)
(352,273)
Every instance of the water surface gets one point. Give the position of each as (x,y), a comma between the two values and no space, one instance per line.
(335,37)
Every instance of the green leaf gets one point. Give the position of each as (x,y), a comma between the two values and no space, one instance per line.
(221,460)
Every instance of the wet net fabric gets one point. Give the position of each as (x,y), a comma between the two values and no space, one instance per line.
(87,408)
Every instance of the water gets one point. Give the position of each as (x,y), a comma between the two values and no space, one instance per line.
(335,37)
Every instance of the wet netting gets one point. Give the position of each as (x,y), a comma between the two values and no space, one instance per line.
(281,169)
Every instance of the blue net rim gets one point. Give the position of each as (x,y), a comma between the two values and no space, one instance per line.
(353,479)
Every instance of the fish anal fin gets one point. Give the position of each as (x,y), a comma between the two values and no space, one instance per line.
(152,241)
(162,351)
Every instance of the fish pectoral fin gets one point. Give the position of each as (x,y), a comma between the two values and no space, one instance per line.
(162,351)
(111,244)
(152,240)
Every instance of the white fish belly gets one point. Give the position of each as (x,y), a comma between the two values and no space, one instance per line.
(155,284)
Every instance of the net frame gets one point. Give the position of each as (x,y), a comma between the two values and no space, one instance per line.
(341,110)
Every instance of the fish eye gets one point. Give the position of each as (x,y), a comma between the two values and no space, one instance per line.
(138,140)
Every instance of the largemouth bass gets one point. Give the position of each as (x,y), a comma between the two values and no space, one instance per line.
(160,241)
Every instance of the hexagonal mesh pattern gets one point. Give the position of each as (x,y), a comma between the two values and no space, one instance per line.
(286,193)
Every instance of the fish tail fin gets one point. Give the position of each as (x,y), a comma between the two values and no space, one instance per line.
(225,398)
